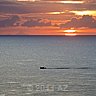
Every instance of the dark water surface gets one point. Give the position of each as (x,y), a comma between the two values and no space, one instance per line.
(22,56)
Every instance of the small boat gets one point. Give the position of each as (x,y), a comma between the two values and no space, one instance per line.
(42,67)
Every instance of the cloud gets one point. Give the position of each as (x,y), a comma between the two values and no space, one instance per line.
(9,22)
(19,21)
(37,22)
(86,21)
(13,7)
(62,0)
(17,7)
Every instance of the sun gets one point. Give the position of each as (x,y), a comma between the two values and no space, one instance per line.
(70,32)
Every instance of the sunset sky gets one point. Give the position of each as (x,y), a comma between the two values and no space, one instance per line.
(48,17)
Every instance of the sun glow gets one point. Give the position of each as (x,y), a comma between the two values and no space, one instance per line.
(65,2)
(72,2)
(70,32)
(55,13)
(86,12)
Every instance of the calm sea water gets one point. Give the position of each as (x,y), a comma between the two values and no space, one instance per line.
(22,56)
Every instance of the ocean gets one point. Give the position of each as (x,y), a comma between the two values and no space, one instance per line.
(70,66)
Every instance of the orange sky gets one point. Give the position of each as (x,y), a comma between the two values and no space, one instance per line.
(45,18)
(44,31)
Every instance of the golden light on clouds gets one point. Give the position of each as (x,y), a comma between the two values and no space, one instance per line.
(57,1)
(86,12)
(55,13)
(71,2)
